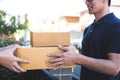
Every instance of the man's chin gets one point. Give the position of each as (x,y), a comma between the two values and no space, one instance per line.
(90,12)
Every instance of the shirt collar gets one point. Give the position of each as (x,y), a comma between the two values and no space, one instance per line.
(104,19)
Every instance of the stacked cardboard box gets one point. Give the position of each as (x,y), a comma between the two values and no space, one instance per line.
(42,44)
(48,39)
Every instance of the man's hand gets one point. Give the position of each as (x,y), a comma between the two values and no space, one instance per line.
(9,60)
(60,60)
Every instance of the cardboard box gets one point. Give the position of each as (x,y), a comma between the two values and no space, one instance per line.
(42,39)
(37,57)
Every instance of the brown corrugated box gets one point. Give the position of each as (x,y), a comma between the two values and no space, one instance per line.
(42,39)
(37,57)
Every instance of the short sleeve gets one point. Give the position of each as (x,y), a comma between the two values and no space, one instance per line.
(114,40)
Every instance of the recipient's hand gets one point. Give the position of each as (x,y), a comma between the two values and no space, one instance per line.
(60,60)
(9,60)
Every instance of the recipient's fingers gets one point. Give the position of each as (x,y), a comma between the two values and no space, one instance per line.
(21,60)
(18,68)
(14,69)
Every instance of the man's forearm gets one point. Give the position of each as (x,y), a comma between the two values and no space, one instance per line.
(99,65)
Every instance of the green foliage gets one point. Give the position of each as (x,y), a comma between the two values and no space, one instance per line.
(6,42)
(9,25)
(14,23)
(9,41)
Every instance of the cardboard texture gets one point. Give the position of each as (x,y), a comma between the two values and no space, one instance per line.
(43,39)
(37,57)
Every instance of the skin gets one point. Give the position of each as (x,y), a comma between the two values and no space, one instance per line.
(111,66)
(9,59)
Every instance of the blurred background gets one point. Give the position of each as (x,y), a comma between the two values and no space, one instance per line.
(54,15)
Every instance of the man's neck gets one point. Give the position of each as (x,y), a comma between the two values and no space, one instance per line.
(102,13)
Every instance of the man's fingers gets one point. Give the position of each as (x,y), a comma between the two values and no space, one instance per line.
(57,67)
(54,60)
(55,55)
(55,64)
(63,48)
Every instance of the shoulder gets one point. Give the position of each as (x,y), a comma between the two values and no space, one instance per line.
(115,31)
(115,23)
(116,26)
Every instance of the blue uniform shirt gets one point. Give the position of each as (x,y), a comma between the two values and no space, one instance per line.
(100,38)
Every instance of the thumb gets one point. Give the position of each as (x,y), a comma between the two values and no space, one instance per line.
(63,48)
(14,47)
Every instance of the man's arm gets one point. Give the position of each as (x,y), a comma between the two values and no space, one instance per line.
(110,66)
